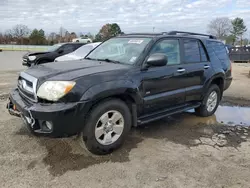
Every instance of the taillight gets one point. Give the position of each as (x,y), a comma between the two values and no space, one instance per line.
(231,67)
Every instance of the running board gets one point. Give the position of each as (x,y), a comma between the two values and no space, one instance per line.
(164,113)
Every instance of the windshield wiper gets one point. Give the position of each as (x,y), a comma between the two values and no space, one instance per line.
(109,60)
(89,58)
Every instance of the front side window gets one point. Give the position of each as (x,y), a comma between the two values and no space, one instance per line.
(170,48)
(123,50)
(68,48)
(191,51)
(54,47)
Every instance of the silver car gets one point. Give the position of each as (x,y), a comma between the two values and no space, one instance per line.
(80,53)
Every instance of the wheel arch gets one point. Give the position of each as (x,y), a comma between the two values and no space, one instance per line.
(218,79)
(123,90)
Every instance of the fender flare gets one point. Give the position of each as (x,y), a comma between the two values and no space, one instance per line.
(112,88)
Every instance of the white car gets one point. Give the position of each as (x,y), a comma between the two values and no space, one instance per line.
(82,40)
(80,53)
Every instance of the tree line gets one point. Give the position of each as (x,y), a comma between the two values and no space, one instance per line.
(231,31)
(21,34)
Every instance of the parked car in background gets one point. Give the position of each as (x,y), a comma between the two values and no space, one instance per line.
(126,81)
(35,58)
(82,39)
(80,53)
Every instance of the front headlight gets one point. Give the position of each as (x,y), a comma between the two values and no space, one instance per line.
(54,90)
(32,58)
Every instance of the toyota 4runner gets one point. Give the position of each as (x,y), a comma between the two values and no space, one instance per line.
(126,81)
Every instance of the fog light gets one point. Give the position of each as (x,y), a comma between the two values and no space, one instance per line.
(49,125)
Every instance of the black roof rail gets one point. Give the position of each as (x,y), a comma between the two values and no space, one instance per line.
(190,33)
(143,34)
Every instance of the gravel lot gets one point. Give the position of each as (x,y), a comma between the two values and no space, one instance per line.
(178,151)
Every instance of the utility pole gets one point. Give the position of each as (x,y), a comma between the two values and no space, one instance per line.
(153,29)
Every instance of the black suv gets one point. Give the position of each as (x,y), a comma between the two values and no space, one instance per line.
(35,58)
(126,81)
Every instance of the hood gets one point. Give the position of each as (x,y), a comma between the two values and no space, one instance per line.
(34,53)
(68,57)
(70,70)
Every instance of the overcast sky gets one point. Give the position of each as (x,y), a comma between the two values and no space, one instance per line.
(131,15)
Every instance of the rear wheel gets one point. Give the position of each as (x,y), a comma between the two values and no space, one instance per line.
(210,102)
(106,127)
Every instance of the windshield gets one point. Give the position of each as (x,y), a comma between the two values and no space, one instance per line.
(83,51)
(54,47)
(123,50)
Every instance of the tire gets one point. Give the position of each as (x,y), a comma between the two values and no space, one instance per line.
(95,144)
(88,41)
(77,41)
(206,110)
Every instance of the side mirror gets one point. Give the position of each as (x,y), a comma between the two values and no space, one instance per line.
(60,51)
(157,60)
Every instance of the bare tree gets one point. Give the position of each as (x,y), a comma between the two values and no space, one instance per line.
(20,31)
(62,32)
(220,27)
(8,38)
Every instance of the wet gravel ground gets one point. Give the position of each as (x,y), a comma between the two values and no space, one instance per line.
(179,151)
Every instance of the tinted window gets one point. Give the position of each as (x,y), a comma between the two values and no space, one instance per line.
(203,53)
(191,51)
(68,48)
(219,49)
(169,47)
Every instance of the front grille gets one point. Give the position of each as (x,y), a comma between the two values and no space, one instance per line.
(27,86)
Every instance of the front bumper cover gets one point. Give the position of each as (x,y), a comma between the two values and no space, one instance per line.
(67,118)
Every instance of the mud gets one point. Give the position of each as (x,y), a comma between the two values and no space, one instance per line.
(234,101)
(220,130)
(66,155)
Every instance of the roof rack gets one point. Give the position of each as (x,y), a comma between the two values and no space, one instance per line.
(189,33)
(143,34)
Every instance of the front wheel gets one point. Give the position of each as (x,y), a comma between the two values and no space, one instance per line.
(210,102)
(106,127)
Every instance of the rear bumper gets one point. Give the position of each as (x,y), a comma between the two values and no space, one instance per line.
(227,83)
(66,118)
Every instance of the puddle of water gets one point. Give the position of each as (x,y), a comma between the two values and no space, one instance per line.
(233,115)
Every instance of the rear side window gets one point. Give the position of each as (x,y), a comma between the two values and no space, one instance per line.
(219,50)
(203,53)
(191,51)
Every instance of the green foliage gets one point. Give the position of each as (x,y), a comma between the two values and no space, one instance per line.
(107,31)
(37,37)
(230,39)
(238,29)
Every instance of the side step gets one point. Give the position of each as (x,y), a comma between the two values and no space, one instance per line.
(164,113)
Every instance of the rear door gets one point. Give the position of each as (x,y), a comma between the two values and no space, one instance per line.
(197,68)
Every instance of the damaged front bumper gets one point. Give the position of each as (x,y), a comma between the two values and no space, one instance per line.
(55,119)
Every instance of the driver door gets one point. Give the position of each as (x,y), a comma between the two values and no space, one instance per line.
(164,87)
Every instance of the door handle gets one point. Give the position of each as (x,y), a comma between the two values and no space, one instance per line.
(181,70)
(206,66)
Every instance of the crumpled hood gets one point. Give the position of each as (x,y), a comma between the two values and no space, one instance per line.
(70,70)
(34,53)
